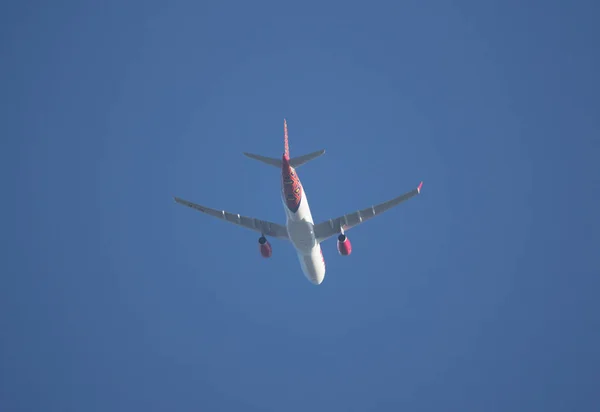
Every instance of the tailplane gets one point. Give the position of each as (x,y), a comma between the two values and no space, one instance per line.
(268,160)
(294,162)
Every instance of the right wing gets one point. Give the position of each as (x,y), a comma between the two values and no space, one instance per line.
(261,226)
(332,227)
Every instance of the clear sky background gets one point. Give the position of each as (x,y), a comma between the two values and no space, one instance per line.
(478,295)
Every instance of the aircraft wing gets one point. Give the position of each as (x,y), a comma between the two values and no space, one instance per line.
(260,226)
(333,227)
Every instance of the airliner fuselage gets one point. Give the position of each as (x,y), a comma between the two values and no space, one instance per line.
(299,222)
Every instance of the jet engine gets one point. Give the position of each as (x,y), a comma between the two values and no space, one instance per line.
(265,247)
(343,245)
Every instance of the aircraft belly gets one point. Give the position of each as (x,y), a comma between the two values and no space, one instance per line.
(313,265)
(302,235)
(300,226)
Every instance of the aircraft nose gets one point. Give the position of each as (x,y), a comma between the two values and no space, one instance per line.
(319,277)
(313,273)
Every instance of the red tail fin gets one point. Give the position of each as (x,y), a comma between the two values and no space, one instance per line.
(286,152)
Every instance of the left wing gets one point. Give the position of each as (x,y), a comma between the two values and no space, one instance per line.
(261,226)
(332,227)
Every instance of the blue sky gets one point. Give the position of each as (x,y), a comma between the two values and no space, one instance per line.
(480,294)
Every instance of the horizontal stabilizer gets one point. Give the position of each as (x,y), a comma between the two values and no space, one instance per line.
(300,160)
(268,160)
(295,162)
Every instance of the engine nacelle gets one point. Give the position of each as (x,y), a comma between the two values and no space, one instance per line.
(265,247)
(343,245)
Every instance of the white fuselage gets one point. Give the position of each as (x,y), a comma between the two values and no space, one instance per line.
(300,230)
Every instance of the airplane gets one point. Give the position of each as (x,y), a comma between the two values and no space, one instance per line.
(300,229)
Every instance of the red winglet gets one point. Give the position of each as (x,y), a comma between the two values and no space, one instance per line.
(420,186)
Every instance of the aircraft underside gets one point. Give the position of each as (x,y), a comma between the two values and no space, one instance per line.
(304,235)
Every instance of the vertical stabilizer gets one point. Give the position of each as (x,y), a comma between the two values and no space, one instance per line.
(286,151)
(278,162)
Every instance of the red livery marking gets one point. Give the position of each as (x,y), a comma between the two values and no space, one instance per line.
(292,189)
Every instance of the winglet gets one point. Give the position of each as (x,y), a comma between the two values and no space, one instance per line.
(419,188)
(286,152)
